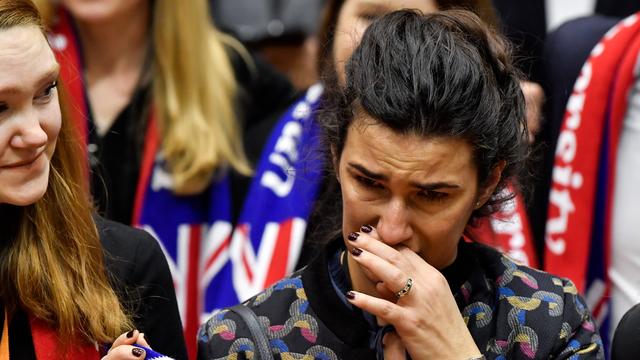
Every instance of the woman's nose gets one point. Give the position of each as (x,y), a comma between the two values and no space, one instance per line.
(30,133)
(394,223)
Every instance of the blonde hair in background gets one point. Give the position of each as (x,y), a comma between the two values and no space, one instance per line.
(195,93)
(55,269)
(196,90)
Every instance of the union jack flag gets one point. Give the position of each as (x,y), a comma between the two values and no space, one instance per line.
(205,254)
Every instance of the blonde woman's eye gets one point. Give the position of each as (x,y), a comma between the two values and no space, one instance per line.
(48,92)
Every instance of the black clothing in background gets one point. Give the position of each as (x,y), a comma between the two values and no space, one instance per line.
(116,157)
(140,276)
(524,24)
(566,50)
(254,22)
(626,340)
(617,8)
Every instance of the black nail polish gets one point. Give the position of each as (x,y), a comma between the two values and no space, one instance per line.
(366,228)
(356,251)
(350,295)
(137,352)
(353,236)
(130,333)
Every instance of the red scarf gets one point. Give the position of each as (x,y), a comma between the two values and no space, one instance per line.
(508,230)
(578,232)
(4,340)
(45,342)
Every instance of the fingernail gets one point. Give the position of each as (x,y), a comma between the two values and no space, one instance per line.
(350,295)
(130,333)
(137,352)
(366,229)
(356,251)
(353,236)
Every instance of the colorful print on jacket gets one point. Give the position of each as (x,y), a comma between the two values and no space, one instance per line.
(512,312)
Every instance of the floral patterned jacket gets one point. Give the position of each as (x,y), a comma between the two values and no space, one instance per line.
(512,312)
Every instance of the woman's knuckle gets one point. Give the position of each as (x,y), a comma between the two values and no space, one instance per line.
(396,258)
(387,310)
(398,278)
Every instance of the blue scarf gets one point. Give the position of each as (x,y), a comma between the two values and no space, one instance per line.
(280,200)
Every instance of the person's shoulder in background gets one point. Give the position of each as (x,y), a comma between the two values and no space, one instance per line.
(264,92)
(626,339)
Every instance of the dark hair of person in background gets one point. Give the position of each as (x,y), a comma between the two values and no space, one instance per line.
(617,8)
(326,32)
(485,107)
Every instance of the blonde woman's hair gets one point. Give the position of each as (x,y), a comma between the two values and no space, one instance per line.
(195,93)
(53,268)
(196,90)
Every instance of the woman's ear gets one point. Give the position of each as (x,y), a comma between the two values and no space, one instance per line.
(335,161)
(491,183)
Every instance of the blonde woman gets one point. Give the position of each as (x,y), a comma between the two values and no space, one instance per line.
(154,90)
(68,280)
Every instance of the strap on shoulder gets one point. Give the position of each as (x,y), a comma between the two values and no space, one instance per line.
(260,341)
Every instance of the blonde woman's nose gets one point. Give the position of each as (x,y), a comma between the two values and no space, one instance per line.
(29,134)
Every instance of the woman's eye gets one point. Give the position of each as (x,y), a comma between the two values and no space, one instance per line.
(433,195)
(3,107)
(45,96)
(367,182)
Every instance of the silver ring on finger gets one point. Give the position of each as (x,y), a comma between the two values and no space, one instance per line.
(405,290)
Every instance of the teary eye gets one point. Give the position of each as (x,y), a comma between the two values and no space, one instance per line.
(431,195)
(368,182)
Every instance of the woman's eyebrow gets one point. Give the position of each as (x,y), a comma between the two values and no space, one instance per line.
(54,72)
(367,172)
(435,185)
(423,186)
(49,75)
